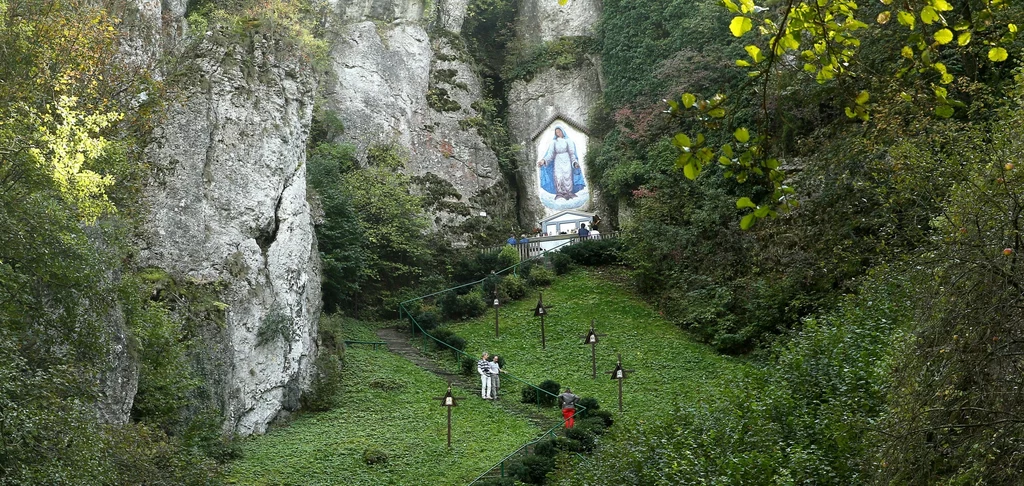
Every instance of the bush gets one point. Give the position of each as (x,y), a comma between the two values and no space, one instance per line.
(561,262)
(446,336)
(508,256)
(540,277)
(533,469)
(468,366)
(530,394)
(525,268)
(551,447)
(428,320)
(454,306)
(583,435)
(325,384)
(513,287)
(594,252)
(373,456)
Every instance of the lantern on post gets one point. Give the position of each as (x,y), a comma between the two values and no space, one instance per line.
(448,401)
(541,312)
(619,374)
(591,339)
(497,303)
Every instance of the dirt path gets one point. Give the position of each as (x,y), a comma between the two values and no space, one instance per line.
(398,343)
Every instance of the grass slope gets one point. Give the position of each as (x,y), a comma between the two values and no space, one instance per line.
(669,367)
(386,403)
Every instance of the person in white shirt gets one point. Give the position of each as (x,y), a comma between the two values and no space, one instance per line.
(484,368)
(495,379)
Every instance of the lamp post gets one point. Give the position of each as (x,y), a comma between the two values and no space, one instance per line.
(449,402)
(591,339)
(541,311)
(497,303)
(619,374)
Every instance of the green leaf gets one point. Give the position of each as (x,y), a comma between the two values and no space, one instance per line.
(863,97)
(772,164)
(742,135)
(689,100)
(683,159)
(747,221)
(724,160)
(906,18)
(727,150)
(563,2)
(717,113)
(997,54)
(681,140)
(740,25)
(963,38)
(944,36)
(762,211)
(755,53)
(929,15)
(884,17)
(731,6)
(944,111)
(742,63)
(745,202)
(942,5)
(907,52)
(690,171)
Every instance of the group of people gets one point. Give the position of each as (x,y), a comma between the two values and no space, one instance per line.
(490,383)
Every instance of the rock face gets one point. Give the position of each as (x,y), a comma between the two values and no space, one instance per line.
(228,206)
(396,84)
(553,97)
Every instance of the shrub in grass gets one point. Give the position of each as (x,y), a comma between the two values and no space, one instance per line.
(513,287)
(508,256)
(594,252)
(386,384)
(532,395)
(540,277)
(551,447)
(428,320)
(454,306)
(525,268)
(533,469)
(373,456)
(468,366)
(592,410)
(446,336)
(584,434)
(553,389)
(561,262)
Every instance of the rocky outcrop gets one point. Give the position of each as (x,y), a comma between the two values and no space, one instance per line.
(402,76)
(228,207)
(567,94)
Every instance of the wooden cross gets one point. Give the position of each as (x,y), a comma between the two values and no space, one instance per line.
(541,311)
(591,339)
(449,402)
(619,374)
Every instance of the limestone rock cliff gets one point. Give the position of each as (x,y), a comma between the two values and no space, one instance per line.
(402,76)
(228,206)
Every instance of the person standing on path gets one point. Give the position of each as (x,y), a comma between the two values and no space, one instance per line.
(495,379)
(568,401)
(484,368)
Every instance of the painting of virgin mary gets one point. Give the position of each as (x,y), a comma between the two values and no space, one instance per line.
(560,172)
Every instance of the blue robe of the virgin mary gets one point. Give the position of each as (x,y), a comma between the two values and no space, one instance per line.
(547,171)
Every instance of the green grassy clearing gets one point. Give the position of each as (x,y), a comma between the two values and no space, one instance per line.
(386,403)
(669,367)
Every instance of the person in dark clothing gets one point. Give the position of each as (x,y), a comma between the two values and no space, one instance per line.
(568,402)
(584,232)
